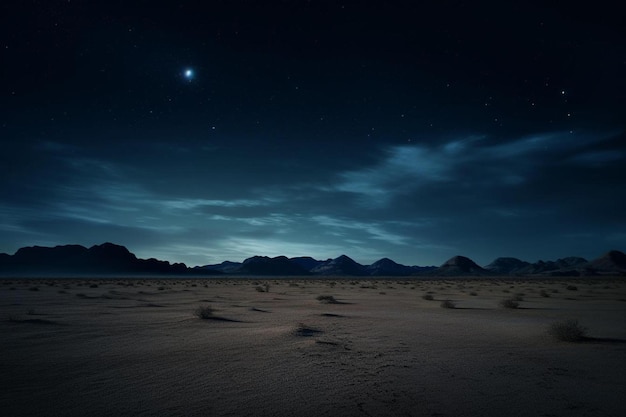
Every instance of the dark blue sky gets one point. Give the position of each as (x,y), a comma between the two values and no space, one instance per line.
(415,132)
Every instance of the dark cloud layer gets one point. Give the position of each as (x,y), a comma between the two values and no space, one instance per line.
(415,132)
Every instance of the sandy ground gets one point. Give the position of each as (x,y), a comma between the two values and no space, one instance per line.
(135,347)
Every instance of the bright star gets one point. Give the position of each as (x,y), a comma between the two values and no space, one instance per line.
(188,74)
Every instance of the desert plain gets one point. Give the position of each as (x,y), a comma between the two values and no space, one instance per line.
(274,347)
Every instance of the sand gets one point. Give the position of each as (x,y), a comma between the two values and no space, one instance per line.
(134,347)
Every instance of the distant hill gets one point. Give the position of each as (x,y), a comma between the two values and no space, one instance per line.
(565,266)
(226,267)
(609,263)
(460,266)
(306,262)
(263,265)
(387,267)
(506,266)
(343,265)
(104,259)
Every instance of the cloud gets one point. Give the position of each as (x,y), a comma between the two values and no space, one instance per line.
(195,203)
(473,162)
(373,230)
(599,158)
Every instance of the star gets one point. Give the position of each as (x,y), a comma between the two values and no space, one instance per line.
(188,74)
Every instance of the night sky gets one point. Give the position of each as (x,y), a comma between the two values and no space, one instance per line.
(200,131)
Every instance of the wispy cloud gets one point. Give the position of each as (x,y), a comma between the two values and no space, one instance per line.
(195,203)
(470,162)
(373,230)
(599,158)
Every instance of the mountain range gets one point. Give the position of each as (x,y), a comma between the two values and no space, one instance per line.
(112,259)
(105,259)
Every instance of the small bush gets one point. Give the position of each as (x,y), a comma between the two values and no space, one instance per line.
(326,299)
(544,294)
(204,312)
(571,288)
(509,303)
(427,297)
(263,288)
(447,304)
(473,293)
(567,330)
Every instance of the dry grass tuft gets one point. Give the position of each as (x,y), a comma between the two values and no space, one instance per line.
(509,303)
(204,312)
(567,330)
(327,299)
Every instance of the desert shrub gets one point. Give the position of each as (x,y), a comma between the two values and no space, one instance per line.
(204,312)
(567,330)
(259,288)
(509,303)
(473,293)
(93,286)
(326,299)
(33,289)
(427,297)
(517,297)
(571,288)
(544,294)
(447,304)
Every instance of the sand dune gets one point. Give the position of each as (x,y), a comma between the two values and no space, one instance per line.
(135,347)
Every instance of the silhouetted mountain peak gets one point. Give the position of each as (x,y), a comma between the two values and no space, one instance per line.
(460,265)
(306,262)
(385,261)
(461,262)
(111,251)
(342,265)
(611,261)
(264,265)
(106,258)
(617,257)
(388,267)
(506,265)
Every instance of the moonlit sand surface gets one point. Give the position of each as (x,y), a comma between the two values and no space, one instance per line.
(134,347)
